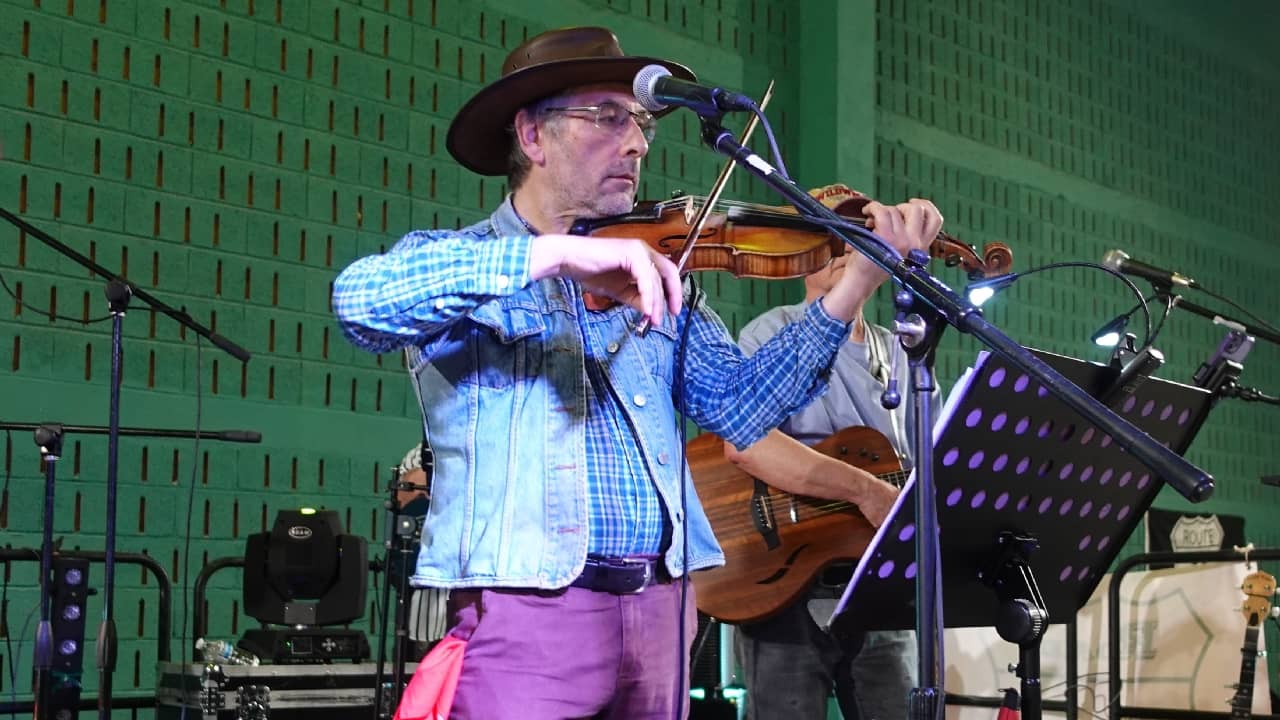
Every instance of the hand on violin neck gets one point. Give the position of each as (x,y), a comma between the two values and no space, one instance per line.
(624,269)
(906,226)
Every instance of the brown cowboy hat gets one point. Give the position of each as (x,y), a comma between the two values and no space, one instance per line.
(544,65)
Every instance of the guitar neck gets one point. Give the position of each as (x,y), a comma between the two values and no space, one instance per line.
(804,507)
(1242,702)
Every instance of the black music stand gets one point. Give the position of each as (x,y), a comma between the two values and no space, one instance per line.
(1034,503)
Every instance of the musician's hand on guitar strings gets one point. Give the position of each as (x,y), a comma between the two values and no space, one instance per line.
(875,497)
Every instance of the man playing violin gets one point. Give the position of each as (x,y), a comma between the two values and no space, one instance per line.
(790,665)
(562,518)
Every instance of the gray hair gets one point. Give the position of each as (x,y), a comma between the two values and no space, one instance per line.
(518,163)
(412,460)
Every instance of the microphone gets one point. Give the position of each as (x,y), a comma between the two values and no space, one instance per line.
(656,90)
(1120,261)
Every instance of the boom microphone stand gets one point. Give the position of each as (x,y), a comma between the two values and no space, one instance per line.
(119,291)
(49,438)
(932,303)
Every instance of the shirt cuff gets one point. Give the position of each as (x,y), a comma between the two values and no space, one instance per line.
(826,329)
(504,264)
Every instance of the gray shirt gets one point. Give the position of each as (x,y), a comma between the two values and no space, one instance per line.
(858,376)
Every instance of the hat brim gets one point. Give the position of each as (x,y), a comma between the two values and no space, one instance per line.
(479,139)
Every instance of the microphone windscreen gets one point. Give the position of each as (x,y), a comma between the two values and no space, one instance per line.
(642,87)
(1114,259)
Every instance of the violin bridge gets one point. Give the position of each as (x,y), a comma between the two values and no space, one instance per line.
(689,212)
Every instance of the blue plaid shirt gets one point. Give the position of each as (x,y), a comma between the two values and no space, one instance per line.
(415,292)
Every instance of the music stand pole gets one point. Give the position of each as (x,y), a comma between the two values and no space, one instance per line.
(919,332)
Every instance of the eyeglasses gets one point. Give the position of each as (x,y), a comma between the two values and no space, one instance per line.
(611,116)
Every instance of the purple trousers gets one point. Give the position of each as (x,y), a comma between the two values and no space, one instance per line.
(572,653)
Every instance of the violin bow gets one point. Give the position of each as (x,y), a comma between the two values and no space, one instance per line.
(713,195)
(704,212)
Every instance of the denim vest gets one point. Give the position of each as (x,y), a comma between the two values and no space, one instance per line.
(503,394)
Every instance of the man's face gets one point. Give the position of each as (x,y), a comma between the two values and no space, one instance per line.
(822,280)
(593,165)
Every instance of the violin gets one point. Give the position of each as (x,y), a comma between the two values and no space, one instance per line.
(761,241)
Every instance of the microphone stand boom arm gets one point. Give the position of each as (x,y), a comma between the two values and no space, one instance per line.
(1191,482)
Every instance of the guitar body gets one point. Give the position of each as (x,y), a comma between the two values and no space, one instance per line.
(775,544)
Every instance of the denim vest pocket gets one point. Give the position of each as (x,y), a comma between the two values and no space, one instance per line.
(509,348)
(659,348)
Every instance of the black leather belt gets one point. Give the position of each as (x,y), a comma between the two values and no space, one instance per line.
(621,576)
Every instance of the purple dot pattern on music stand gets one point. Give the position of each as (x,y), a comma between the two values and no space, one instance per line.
(1021,383)
(975,460)
(886,569)
(1084,542)
(1045,504)
(1001,500)
(1066,471)
(978,498)
(1066,573)
(998,464)
(910,572)
(1023,464)
(997,422)
(973,418)
(954,497)
(907,532)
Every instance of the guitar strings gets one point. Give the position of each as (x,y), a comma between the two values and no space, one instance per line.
(815,507)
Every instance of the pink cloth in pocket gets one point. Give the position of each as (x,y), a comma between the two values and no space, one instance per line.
(429,695)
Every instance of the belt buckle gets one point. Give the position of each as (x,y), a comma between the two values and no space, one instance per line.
(627,564)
